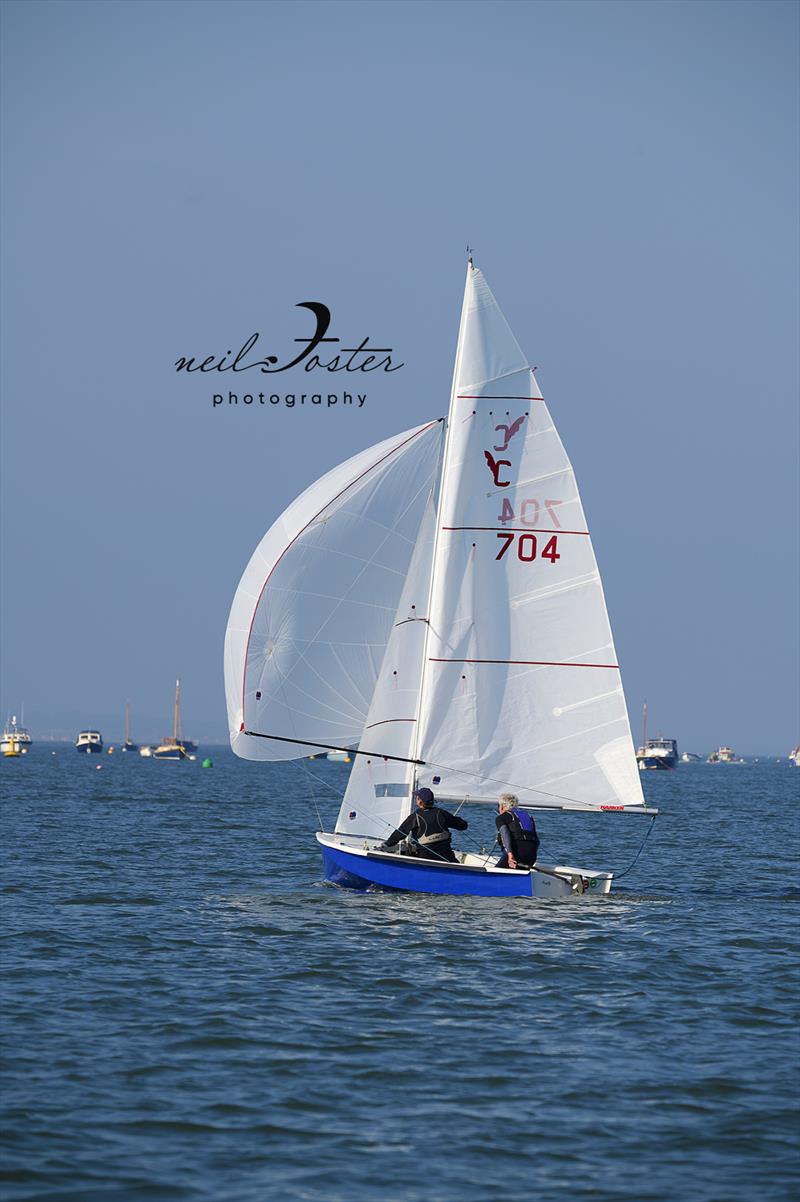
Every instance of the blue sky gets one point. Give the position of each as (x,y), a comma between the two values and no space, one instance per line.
(179,175)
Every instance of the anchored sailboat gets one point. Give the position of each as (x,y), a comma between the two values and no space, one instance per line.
(174,746)
(128,743)
(435,601)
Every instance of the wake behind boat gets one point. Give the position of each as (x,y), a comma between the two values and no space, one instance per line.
(435,602)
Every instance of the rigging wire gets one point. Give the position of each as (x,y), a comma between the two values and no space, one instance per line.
(314,800)
(320,779)
(619,875)
(328,785)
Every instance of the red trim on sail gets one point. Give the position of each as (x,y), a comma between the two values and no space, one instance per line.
(539,663)
(372,466)
(519,529)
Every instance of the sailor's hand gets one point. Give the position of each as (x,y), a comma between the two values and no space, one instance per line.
(512,863)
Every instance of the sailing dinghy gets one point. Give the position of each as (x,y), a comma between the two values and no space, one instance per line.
(435,602)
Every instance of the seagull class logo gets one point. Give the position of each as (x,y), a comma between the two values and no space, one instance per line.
(510,432)
(318,352)
(495,465)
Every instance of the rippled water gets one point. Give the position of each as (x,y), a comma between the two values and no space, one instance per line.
(189,1013)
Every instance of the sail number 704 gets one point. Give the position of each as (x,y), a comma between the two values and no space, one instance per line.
(527,547)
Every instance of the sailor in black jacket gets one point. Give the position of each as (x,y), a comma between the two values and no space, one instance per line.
(428,830)
(516,831)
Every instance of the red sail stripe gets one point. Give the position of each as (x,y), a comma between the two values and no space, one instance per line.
(519,530)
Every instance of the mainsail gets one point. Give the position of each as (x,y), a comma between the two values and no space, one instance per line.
(441,610)
(521,687)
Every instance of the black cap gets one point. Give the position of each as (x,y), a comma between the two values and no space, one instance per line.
(425,796)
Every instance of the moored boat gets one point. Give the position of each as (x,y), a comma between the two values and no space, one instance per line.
(90,741)
(174,747)
(128,743)
(724,755)
(655,754)
(15,739)
(658,753)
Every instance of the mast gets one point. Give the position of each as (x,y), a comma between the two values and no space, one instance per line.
(127,723)
(644,725)
(176,717)
(435,572)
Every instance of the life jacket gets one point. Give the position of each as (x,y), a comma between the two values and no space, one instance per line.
(524,836)
(429,827)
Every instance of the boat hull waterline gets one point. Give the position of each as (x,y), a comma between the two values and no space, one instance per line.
(357,865)
(656,763)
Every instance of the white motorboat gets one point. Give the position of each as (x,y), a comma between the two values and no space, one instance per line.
(15,739)
(90,741)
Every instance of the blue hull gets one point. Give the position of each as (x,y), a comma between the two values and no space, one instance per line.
(420,876)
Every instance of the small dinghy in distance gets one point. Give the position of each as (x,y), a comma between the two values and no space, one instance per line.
(435,601)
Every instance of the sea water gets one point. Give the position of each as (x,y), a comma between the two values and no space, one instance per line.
(189,1012)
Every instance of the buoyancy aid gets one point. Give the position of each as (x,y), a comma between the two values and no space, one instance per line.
(430,827)
(524,838)
(437,838)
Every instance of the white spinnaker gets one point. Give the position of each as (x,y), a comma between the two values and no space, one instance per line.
(521,686)
(378,795)
(314,609)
